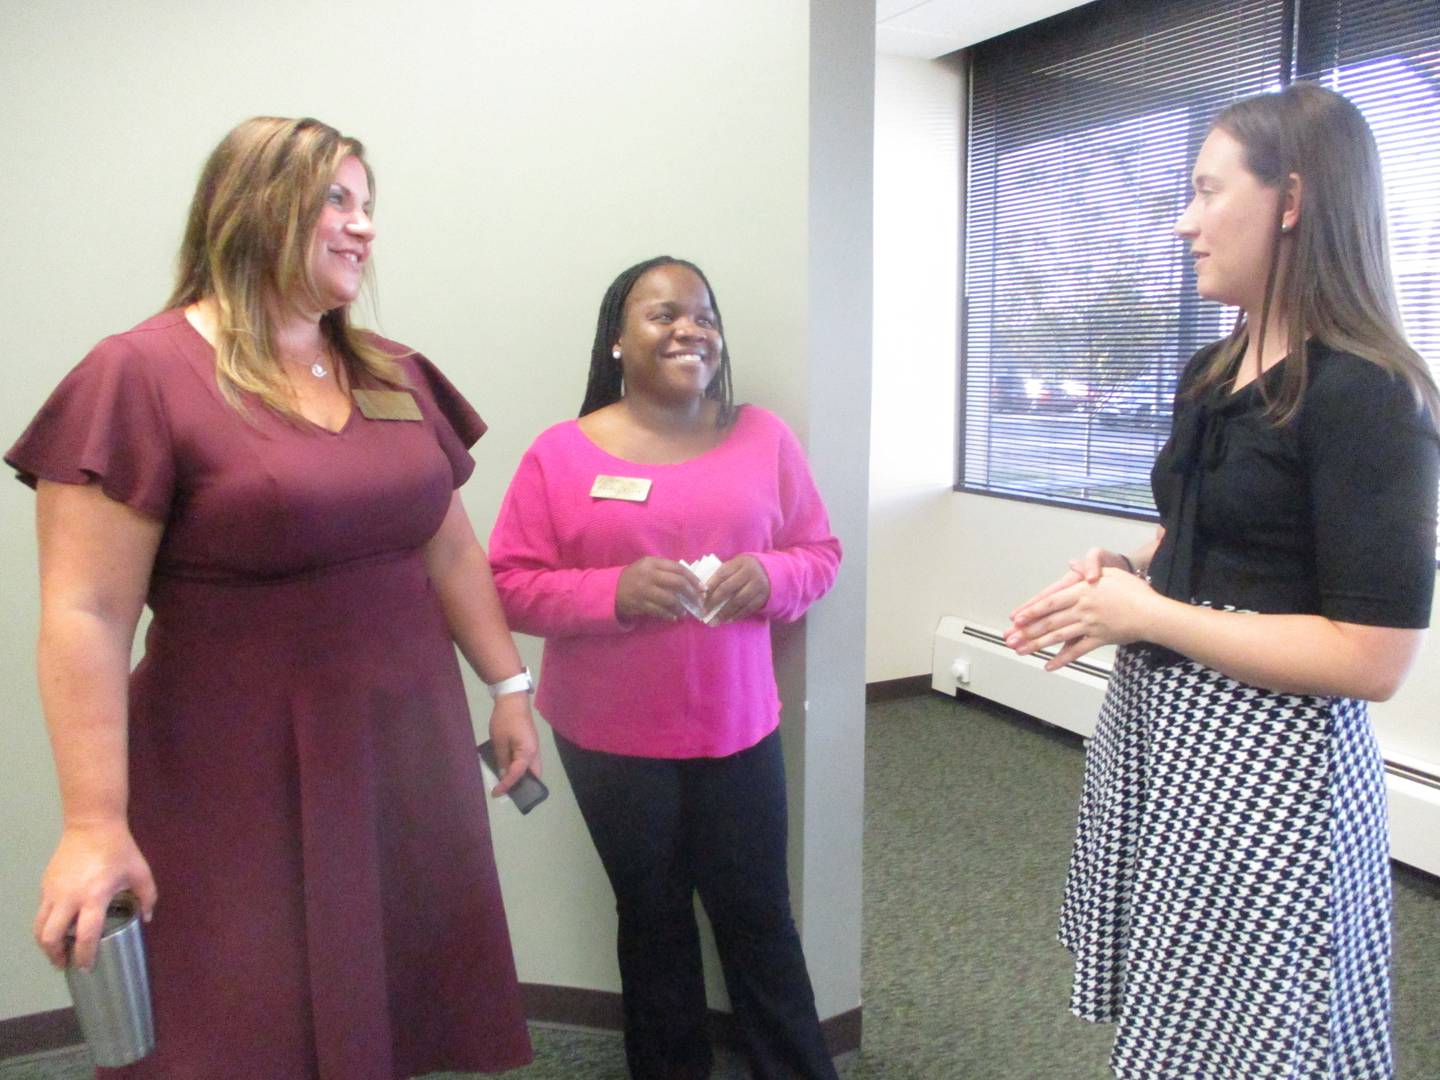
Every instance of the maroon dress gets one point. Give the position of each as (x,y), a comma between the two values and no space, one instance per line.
(303,777)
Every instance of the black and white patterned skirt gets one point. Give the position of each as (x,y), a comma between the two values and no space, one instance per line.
(1228,900)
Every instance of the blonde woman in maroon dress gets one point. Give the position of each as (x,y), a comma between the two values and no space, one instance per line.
(291,769)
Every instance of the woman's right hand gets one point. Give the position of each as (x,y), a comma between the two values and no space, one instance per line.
(1087,567)
(651,587)
(1090,565)
(90,865)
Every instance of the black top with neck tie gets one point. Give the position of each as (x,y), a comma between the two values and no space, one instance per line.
(1333,513)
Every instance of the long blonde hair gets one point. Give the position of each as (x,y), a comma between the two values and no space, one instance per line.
(1331,275)
(247,245)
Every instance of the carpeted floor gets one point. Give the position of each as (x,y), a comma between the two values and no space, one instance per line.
(968,818)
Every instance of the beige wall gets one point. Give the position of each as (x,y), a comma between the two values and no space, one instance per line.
(934,552)
(912,400)
(524,155)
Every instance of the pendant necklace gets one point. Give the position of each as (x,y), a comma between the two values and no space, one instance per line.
(318,369)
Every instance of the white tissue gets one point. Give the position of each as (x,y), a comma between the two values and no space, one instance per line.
(702,568)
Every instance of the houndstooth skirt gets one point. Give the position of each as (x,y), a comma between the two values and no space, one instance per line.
(1228,899)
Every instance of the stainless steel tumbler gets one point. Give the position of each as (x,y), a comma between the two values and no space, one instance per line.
(112,999)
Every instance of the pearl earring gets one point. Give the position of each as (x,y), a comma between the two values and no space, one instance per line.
(615,352)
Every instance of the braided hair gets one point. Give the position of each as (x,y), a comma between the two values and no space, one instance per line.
(605,384)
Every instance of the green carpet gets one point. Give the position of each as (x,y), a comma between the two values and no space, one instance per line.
(968,818)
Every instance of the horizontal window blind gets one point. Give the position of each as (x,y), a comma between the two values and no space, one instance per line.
(1080,305)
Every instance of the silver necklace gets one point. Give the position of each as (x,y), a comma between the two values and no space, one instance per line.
(319,370)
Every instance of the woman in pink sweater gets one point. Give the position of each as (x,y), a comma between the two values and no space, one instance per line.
(658,682)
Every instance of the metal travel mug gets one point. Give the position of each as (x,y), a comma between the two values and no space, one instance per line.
(112,999)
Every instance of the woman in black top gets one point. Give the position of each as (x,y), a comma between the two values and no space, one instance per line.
(1228,901)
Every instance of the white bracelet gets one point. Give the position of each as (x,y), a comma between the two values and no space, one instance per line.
(513,685)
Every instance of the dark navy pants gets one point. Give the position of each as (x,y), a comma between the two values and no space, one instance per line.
(665,829)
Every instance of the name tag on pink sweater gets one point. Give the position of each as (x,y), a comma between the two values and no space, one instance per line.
(628,488)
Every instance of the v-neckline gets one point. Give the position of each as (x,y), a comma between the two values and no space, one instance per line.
(315,424)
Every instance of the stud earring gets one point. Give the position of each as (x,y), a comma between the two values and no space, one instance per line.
(615,352)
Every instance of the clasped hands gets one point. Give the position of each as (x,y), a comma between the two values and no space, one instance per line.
(1097,602)
(652,588)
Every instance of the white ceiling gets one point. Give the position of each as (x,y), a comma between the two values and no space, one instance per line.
(931,28)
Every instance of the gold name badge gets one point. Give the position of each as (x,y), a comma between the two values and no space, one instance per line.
(386,404)
(628,488)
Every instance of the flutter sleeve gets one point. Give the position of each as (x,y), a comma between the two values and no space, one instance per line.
(105,423)
(806,555)
(1374,464)
(457,425)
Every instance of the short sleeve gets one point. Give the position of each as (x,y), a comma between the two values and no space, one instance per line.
(457,425)
(104,423)
(1374,466)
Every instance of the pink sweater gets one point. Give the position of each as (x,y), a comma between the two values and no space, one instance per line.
(652,688)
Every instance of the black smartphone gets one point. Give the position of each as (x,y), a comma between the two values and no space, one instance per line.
(529,791)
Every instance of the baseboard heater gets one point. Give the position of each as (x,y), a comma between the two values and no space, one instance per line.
(971,657)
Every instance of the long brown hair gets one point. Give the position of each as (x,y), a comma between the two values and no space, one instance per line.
(247,245)
(1329,276)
